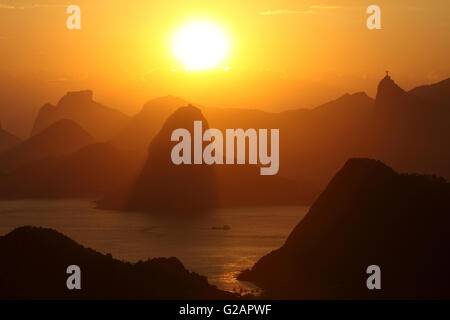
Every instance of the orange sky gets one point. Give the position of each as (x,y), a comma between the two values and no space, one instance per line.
(284,54)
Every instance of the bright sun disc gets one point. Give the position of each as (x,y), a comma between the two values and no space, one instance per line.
(200,45)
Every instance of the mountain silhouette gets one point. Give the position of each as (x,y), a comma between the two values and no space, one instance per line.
(389,94)
(162,185)
(437,92)
(7,140)
(33,263)
(367,215)
(62,137)
(243,186)
(144,126)
(404,129)
(102,122)
(401,128)
(92,171)
(315,142)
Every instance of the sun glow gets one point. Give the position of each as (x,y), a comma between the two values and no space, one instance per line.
(200,45)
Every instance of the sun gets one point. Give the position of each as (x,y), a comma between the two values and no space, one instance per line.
(200,45)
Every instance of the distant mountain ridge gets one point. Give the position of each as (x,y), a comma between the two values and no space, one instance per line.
(438,92)
(163,186)
(62,137)
(404,129)
(89,172)
(7,140)
(144,126)
(102,122)
(314,143)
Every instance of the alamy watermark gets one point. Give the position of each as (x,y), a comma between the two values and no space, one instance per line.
(214,152)
(74,280)
(374,280)
(73,22)
(374,20)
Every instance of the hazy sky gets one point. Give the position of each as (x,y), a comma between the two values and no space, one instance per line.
(283,54)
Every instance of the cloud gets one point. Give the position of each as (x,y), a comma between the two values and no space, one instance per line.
(324,7)
(304,11)
(284,11)
(28,6)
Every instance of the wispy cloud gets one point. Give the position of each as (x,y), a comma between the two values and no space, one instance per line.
(284,11)
(304,11)
(325,7)
(28,6)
